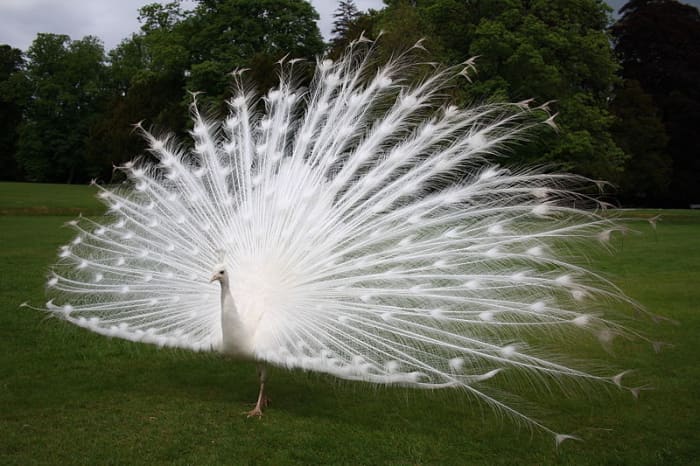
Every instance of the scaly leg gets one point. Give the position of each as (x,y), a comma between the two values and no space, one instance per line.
(263,400)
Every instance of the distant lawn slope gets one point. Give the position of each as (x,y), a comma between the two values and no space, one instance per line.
(71,397)
(48,199)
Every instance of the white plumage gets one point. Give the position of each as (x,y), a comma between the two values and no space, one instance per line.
(365,230)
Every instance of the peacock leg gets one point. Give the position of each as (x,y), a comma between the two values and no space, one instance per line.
(263,400)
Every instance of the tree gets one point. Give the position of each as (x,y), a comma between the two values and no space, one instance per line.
(352,26)
(137,94)
(345,15)
(147,82)
(641,134)
(179,51)
(224,35)
(527,49)
(402,25)
(555,51)
(163,46)
(161,17)
(11,103)
(658,43)
(66,79)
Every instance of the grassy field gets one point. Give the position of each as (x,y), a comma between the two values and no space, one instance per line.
(68,396)
(48,199)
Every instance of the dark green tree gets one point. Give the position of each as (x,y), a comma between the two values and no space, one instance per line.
(66,79)
(402,25)
(148,73)
(224,35)
(343,19)
(179,51)
(161,17)
(658,42)
(11,104)
(560,52)
(164,47)
(137,93)
(352,27)
(527,49)
(641,134)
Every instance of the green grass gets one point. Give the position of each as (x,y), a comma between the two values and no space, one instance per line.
(48,199)
(68,396)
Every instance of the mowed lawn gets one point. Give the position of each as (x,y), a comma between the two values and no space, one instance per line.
(68,396)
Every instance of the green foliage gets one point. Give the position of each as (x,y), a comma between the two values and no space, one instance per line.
(179,51)
(352,28)
(78,111)
(224,35)
(402,26)
(11,62)
(71,396)
(146,85)
(155,17)
(555,52)
(113,138)
(162,46)
(65,80)
(345,16)
(639,131)
(658,42)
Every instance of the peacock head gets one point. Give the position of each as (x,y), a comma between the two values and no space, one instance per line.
(219,274)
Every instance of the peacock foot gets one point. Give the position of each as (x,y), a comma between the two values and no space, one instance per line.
(255,412)
(263,402)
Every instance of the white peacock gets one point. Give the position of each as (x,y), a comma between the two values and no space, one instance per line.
(357,228)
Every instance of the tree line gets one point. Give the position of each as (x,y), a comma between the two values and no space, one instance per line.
(625,92)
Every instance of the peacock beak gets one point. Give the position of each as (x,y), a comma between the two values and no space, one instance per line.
(214,278)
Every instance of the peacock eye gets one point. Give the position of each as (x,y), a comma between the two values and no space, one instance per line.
(222,272)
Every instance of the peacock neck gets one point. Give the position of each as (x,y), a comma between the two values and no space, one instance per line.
(229,313)
(234,338)
(226,297)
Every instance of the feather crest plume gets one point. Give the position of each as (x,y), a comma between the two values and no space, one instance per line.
(368,232)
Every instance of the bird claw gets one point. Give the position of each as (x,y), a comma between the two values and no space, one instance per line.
(263,402)
(255,412)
